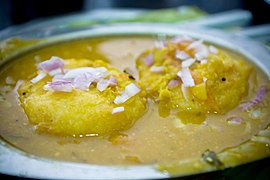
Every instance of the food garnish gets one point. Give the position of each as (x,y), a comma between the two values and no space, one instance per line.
(259,97)
(149,60)
(130,90)
(118,109)
(186,77)
(66,80)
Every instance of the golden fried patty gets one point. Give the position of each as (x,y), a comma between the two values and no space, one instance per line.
(216,84)
(81,112)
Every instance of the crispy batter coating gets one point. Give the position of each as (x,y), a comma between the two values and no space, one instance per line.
(81,112)
(220,82)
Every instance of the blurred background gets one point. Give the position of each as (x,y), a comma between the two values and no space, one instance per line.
(14,12)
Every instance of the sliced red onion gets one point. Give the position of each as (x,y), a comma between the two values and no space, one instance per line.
(113,81)
(118,109)
(157,69)
(188,62)
(121,99)
(72,73)
(213,50)
(98,73)
(78,78)
(103,84)
(46,87)
(259,97)
(195,44)
(66,70)
(173,83)
(149,60)
(59,86)
(39,77)
(185,92)
(101,72)
(82,81)
(55,72)
(130,91)
(201,52)
(235,120)
(204,61)
(60,77)
(182,55)
(51,64)
(186,77)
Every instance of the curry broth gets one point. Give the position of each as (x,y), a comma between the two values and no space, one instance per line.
(152,139)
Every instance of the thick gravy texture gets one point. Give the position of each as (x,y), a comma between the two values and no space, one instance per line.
(152,139)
